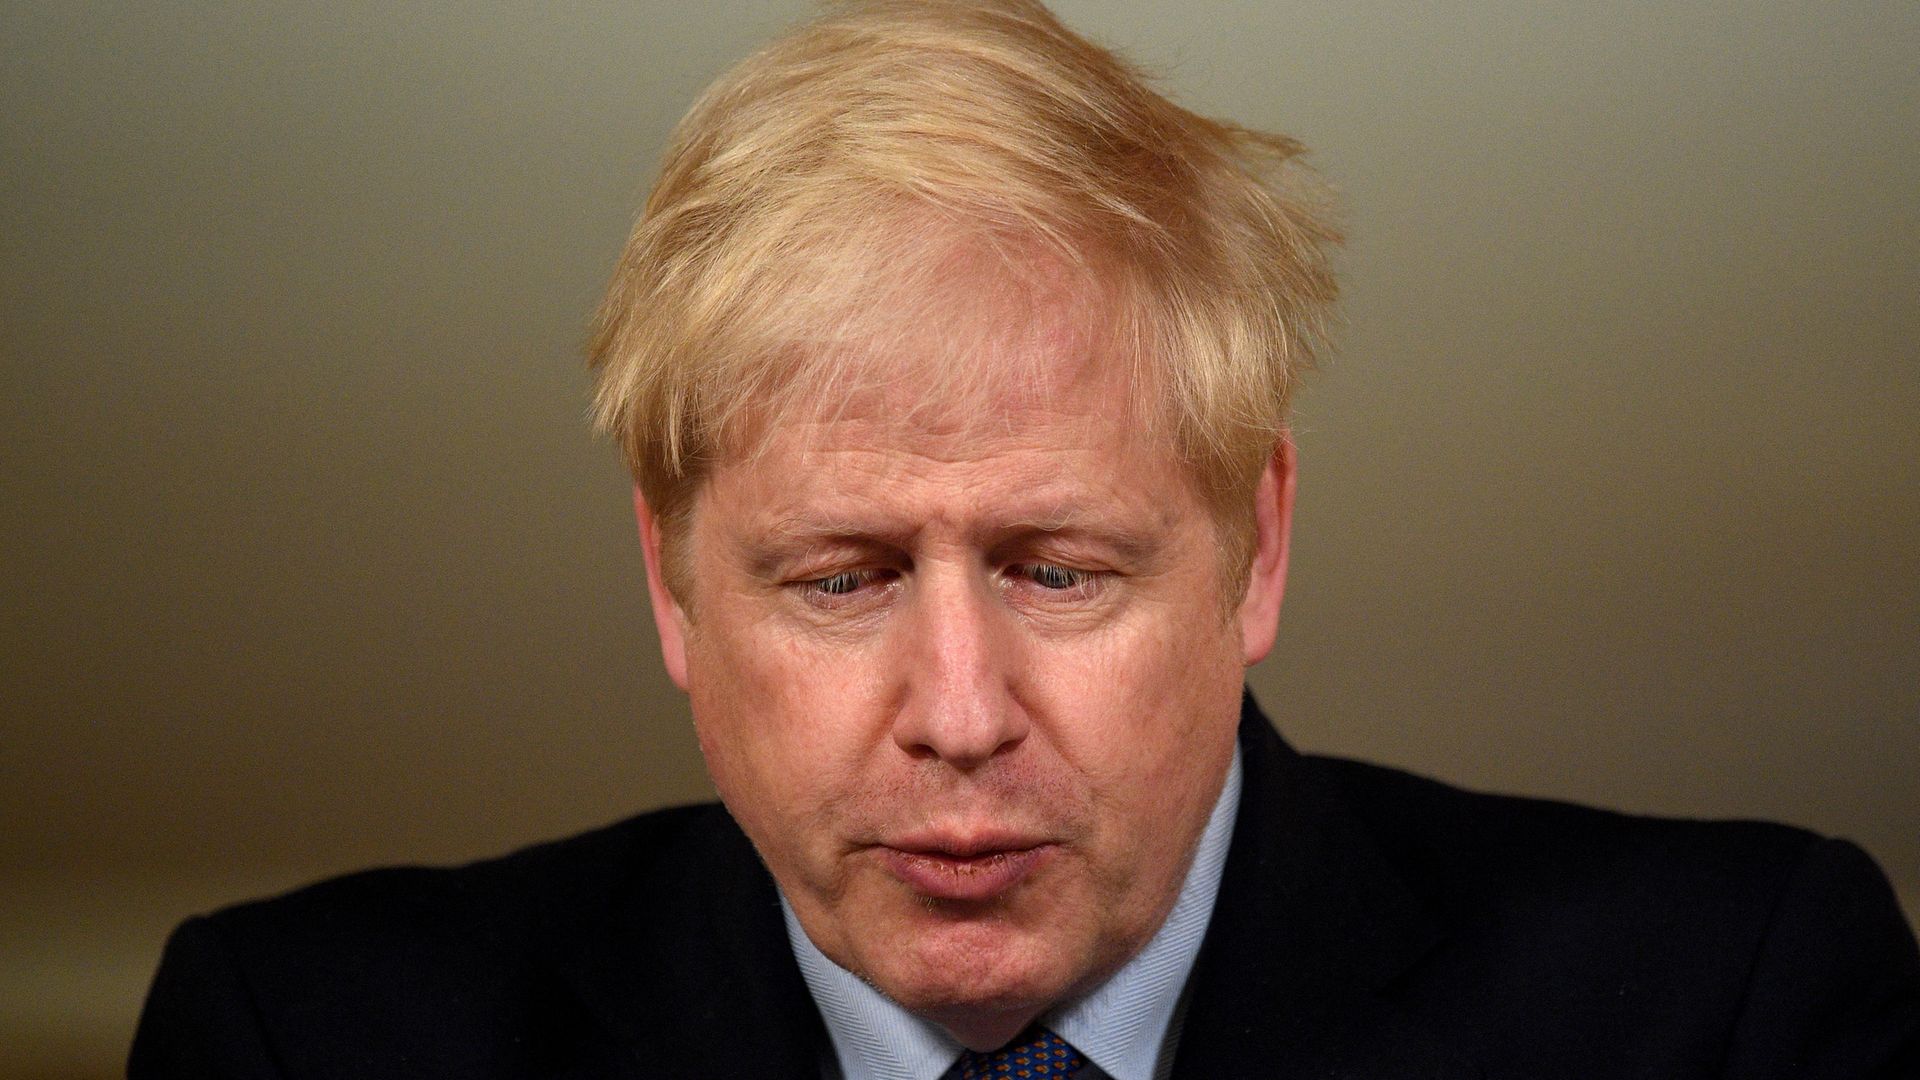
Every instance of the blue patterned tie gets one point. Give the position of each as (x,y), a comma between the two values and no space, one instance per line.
(1037,1053)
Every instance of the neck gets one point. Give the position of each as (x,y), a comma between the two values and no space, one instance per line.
(983,1029)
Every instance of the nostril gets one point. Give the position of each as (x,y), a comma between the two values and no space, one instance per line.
(962,733)
(919,751)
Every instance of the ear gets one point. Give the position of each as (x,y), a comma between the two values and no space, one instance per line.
(668,617)
(1267,576)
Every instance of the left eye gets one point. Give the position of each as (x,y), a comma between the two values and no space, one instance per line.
(840,584)
(1050,576)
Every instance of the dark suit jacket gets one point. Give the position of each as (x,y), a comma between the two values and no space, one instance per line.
(1370,924)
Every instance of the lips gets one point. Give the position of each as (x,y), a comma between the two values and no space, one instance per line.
(946,868)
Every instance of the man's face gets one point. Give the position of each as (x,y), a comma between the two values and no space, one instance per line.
(969,687)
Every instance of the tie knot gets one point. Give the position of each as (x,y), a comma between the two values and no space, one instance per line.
(1034,1054)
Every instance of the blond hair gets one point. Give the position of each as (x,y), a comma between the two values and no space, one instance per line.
(814,200)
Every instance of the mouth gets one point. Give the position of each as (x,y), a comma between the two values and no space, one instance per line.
(964,871)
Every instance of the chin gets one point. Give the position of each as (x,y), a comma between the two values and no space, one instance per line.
(943,966)
(983,997)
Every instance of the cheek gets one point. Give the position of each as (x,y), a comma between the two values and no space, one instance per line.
(777,724)
(1161,670)
(1154,714)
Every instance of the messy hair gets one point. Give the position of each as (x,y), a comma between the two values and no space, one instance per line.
(814,202)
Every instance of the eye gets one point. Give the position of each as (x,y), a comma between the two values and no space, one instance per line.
(839,584)
(1054,583)
(844,587)
(1049,576)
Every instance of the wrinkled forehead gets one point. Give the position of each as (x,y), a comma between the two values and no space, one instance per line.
(921,415)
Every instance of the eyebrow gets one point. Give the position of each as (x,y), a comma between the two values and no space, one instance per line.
(794,530)
(1130,543)
(794,534)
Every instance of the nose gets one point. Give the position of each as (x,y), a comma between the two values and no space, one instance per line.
(959,706)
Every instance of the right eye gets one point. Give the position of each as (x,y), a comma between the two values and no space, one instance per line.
(844,587)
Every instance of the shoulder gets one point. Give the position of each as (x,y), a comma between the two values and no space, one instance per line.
(1479,860)
(463,970)
(1777,938)
(1466,848)
(493,901)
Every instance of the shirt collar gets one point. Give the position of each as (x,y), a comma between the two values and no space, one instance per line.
(1120,1026)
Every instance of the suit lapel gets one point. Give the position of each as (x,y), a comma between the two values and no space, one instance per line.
(690,972)
(1311,926)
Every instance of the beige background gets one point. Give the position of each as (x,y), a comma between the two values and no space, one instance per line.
(310,561)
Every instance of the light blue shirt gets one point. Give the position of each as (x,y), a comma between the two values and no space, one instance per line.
(1120,1027)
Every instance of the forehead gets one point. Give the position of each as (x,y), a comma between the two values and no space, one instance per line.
(1037,382)
(1044,433)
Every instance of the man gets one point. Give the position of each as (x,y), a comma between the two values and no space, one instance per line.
(953,364)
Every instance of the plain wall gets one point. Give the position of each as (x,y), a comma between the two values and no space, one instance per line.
(311,561)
